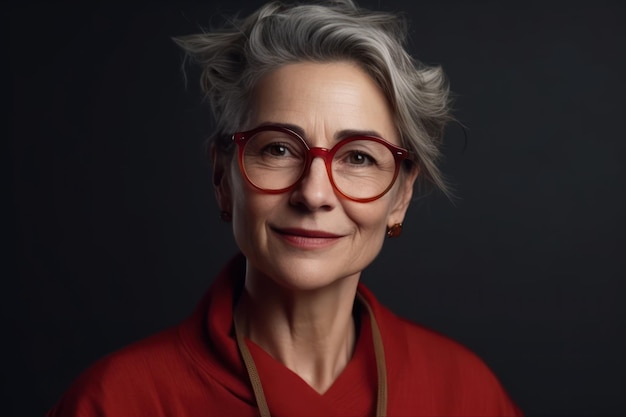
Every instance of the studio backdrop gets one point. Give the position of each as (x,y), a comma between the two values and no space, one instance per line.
(115,232)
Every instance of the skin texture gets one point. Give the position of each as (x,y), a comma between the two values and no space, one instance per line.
(306,248)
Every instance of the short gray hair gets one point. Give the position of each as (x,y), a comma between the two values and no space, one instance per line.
(235,57)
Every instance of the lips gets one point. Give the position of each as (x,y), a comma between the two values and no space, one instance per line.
(307,238)
(307,233)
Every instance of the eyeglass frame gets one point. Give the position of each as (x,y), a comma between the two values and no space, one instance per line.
(327,155)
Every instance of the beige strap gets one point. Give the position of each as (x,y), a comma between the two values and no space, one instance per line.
(381,366)
(252,372)
(379,353)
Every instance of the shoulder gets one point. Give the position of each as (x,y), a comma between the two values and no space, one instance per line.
(128,381)
(153,357)
(418,344)
(415,346)
(433,350)
(440,371)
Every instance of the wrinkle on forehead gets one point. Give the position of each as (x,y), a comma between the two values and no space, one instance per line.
(324,100)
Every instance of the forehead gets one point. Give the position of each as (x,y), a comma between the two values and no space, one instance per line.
(322,99)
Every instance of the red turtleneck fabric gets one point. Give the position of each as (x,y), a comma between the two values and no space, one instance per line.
(194,370)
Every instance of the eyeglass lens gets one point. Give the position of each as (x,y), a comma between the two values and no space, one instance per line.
(361,168)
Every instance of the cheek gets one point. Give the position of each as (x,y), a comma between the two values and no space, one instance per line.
(370,218)
(251,210)
(247,222)
(243,196)
(243,217)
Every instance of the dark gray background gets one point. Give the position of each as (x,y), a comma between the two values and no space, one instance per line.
(116,232)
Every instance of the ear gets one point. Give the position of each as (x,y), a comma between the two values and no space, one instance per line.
(404,193)
(221,184)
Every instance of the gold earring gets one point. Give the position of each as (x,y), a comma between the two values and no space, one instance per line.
(395,230)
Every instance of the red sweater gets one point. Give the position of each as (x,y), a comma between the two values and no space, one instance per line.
(194,370)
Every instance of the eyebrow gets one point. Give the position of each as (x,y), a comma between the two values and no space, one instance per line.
(342,134)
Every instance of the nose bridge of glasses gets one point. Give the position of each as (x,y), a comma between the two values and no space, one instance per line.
(317,152)
(325,154)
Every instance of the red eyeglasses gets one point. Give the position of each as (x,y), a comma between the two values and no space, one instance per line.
(273,159)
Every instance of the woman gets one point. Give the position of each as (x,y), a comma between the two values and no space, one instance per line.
(323,126)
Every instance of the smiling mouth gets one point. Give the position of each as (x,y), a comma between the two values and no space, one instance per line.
(307,233)
(307,239)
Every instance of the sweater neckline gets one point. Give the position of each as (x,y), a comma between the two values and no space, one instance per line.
(379,353)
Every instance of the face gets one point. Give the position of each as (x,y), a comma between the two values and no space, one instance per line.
(312,237)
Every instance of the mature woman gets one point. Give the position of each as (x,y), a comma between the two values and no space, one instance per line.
(323,125)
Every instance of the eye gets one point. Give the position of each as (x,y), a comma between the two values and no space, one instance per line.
(359,158)
(277,149)
(274,145)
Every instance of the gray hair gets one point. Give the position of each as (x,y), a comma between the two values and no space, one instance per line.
(235,57)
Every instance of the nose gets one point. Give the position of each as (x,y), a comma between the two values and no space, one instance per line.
(315,191)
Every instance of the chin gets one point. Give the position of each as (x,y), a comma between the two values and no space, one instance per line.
(308,274)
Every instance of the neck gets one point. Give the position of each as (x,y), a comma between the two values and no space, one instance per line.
(311,332)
